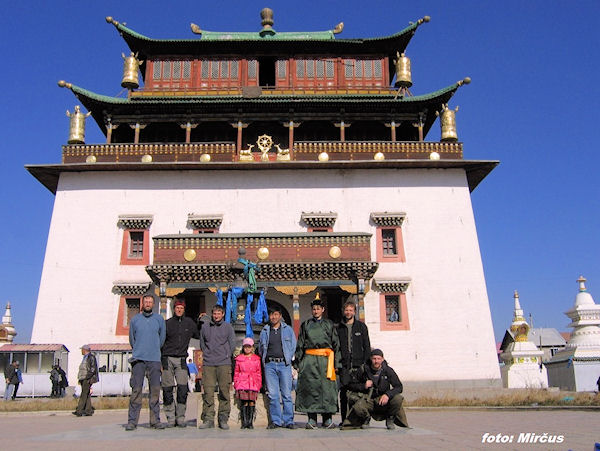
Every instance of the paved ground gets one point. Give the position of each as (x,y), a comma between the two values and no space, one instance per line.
(459,429)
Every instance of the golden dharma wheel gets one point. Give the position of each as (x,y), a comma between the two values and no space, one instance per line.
(189,255)
(335,252)
(323,156)
(262,253)
(403,73)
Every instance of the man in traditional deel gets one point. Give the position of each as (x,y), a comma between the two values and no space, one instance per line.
(318,358)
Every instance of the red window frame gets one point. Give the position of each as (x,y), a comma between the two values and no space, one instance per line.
(123,318)
(126,250)
(385,323)
(382,255)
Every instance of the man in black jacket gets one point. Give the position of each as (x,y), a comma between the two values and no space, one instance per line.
(179,330)
(355,348)
(379,391)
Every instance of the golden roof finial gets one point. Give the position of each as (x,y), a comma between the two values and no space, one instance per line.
(266,15)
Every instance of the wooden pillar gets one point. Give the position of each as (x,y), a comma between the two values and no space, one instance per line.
(163,299)
(392,126)
(137,127)
(420,124)
(296,311)
(360,297)
(188,126)
(342,126)
(109,128)
(240,126)
(291,125)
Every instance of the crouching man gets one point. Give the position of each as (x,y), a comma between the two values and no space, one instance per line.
(377,391)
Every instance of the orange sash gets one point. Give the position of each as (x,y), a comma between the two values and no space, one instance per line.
(325,352)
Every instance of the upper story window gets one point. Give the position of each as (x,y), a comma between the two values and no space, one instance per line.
(392,304)
(170,74)
(315,72)
(135,249)
(130,303)
(388,237)
(363,72)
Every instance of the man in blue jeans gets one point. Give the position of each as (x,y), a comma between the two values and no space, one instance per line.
(277,345)
(147,334)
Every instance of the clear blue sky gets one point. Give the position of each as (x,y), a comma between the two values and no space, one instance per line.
(531,105)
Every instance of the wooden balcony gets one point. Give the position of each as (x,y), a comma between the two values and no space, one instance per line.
(226,151)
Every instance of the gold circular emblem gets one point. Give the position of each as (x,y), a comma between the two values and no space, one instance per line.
(262,253)
(335,252)
(434,156)
(147,159)
(264,143)
(90,159)
(205,158)
(323,156)
(189,255)
(379,156)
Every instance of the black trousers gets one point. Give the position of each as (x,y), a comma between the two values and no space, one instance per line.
(85,403)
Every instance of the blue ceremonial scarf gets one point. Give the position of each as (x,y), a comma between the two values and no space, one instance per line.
(261,315)
(248,316)
(232,301)
(220,297)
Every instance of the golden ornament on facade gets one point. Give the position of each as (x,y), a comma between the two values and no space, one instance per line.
(131,66)
(90,159)
(264,143)
(434,156)
(335,252)
(205,158)
(262,253)
(323,157)
(379,156)
(77,126)
(147,159)
(189,255)
(282,154)
(246,154)
(448,123)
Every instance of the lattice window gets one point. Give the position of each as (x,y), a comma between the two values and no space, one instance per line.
(132,306)
(310,68)
(358,69)
(329,68)
(234,69)
(320,69)
(176,69)
(252,66)
(281,66)
(368,69)
(300,68)
(204,68)
(214,73)
(378,68)
(156,70)
(187,70)
(348,68)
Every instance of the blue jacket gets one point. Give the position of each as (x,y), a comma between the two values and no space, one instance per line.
(288,342)
(146,336)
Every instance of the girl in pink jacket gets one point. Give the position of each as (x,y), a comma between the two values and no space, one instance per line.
(247,380)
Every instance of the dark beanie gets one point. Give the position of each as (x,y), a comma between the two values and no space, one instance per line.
(378,352)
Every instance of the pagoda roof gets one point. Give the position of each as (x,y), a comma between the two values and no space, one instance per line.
(266,42)
(228,106)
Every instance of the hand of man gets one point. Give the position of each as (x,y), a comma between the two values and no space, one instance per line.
(383,400)
(369,383)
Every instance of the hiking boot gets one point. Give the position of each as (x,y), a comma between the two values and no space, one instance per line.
(207,425)
(158,426)
(389,423)
(130,427)
(290,426)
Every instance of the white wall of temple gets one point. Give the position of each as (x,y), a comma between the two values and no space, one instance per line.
(450,334)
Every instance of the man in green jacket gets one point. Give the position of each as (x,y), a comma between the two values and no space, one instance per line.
(318,358)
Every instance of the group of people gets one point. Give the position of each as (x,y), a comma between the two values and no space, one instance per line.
(58,377)
(329,359)
(14,378)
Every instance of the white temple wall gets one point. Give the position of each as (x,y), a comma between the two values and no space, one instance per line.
(450,336)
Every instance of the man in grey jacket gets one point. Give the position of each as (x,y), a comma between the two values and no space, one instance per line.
(217,341)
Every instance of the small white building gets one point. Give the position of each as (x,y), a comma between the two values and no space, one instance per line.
(523,366)
(577,366)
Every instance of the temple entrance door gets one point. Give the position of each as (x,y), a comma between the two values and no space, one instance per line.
(335,298)
(195,302)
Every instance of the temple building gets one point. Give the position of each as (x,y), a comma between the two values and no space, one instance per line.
(7,330)
(273,166)
(577,366)
(523,366)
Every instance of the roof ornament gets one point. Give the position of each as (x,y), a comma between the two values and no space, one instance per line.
(77,126)
(519,326)
(448,124)
(266,14)
(338,28)
(131,66)
(195,28)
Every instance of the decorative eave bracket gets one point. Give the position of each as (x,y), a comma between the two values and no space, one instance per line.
(391,286)
(386,219)
(319,219)
(130,288)
(205,221)
(135,221)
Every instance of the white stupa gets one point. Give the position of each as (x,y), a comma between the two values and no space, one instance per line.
(577,366)
(7,330)
(522,359)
